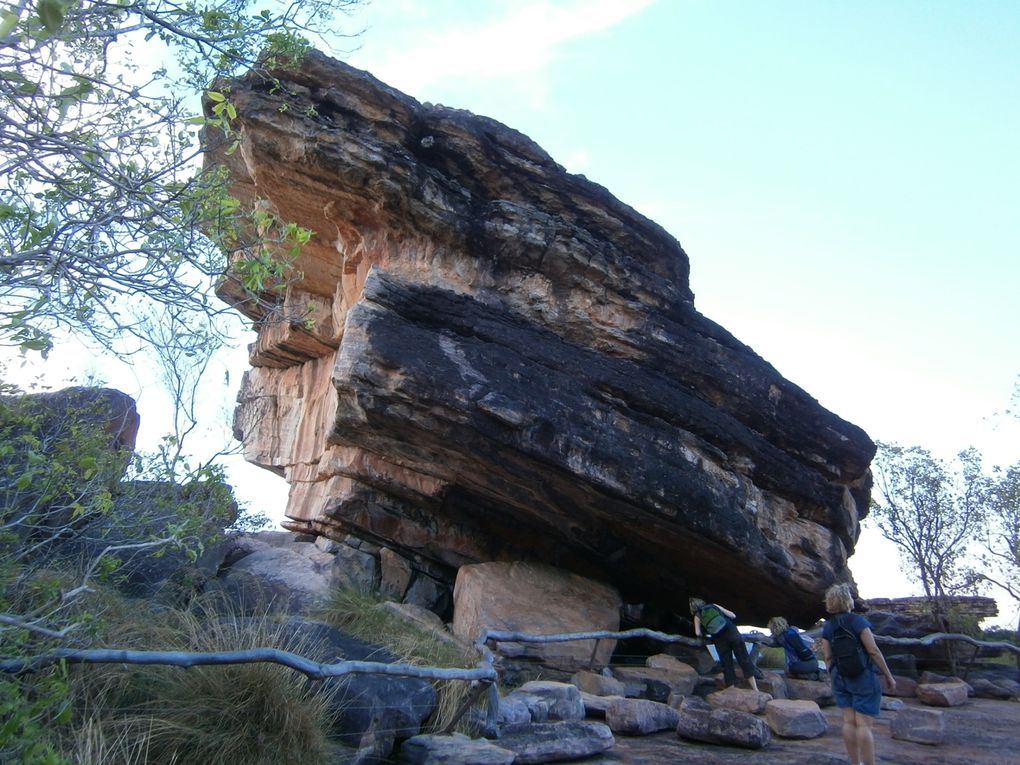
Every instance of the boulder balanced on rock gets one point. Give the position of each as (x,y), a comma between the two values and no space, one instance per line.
(483,357)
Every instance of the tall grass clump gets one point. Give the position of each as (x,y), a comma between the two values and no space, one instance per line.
(237,714)
(363,615)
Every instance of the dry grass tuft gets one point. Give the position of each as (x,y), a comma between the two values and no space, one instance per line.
(361,614)
(240,714)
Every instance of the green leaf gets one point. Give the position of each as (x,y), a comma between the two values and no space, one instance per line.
(8,22)
(215,96)
(51,13)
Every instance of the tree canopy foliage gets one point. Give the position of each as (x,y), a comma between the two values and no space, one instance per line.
(1000,534)
(102,203)
(110,228)
(930,510)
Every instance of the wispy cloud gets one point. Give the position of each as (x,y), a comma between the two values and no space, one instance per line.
(522,41)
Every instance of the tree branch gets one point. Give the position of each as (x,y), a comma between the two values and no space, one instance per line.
(311,669)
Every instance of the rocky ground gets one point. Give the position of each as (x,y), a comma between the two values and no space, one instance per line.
(981,732)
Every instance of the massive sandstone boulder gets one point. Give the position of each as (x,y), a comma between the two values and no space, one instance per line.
(505,362)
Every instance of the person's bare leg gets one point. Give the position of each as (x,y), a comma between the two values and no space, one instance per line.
(865,740)
(850,734)
(753,683)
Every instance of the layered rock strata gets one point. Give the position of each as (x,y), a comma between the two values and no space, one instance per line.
(493,359)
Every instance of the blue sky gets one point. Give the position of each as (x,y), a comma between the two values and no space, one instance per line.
(845,177)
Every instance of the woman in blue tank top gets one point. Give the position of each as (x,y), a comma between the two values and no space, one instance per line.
(860,697)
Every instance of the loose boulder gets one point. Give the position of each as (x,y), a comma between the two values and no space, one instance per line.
(700,721)
(790,718)
(558,701)
(922,726)
(951,694)
(639,717)
(505,596)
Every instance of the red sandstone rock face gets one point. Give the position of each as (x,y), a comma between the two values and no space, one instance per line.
(507,363)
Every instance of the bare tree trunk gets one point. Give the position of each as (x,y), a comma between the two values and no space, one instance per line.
(942,622)
(1018,643)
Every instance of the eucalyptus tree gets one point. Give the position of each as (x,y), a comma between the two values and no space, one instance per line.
(108,219)
(932,511)
(103,204)
(1000,536)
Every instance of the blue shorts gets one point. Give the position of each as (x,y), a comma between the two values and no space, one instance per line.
(863,693)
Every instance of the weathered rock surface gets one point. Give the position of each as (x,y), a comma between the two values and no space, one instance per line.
(550,700)
(982,733)
(375,708)
(639,717)
(454,749)
(700,721)
(597,684)
(790,718)
(291,579)
(556,741)
(539,599)
(923,726)
(741,699)
(818,691)
(951,694)
(655,683)
(506,363)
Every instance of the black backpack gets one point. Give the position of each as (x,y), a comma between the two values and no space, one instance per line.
(847,651)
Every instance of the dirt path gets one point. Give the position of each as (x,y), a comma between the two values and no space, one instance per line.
(981,732)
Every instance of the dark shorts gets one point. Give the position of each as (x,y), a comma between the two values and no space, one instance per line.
(862,693)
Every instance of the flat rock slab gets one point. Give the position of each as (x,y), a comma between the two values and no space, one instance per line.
(453,750)
(923,726)
(557,741)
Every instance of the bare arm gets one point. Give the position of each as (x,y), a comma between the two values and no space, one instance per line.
(697,625)
(728,613)
(868,641)
(827,654)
